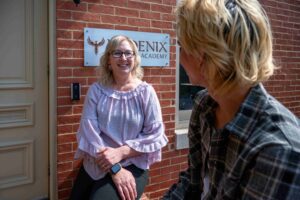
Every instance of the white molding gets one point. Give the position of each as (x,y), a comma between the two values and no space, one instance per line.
(24,168)
(26,79)
(181,139)
(16,115)
(52,101)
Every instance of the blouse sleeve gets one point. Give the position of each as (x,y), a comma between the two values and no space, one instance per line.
(88,135)
(152,138)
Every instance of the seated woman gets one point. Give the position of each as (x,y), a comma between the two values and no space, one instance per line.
(121,131)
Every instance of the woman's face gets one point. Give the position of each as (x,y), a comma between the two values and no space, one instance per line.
(194,67)
(122,59)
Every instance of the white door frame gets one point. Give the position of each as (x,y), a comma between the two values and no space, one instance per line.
(52,101)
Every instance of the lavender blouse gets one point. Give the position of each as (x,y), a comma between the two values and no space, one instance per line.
(114,118)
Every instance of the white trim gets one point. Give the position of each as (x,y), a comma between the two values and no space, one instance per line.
(177,118)
(181,139)
(52,101)
(181,117)
(25,175)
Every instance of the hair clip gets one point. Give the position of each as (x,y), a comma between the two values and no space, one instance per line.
(230,5)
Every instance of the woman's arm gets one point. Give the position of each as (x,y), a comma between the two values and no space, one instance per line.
(124,180)
(89,135)
(110,156)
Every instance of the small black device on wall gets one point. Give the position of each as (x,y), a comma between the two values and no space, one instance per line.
(76,2)
(75,91)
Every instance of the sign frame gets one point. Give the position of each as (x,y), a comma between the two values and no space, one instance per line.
(154,48)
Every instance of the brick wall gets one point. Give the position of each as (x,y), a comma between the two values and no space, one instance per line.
(285,21)
(151,16)
(147,16)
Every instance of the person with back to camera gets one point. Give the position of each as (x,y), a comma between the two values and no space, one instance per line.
(243,143)
(121,130)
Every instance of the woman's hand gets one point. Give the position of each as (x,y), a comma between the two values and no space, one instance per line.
(125,184)
(107,157)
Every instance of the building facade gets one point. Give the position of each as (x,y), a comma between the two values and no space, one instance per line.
(42,54)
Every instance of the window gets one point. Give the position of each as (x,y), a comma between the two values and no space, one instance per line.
(185,94)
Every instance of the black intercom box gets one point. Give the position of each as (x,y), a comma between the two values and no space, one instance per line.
(75,91)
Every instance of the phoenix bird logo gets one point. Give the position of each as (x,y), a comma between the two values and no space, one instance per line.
(95,43)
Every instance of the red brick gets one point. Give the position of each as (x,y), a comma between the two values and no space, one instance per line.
(127,12)
(88,17)
(161,8)
(109,19)
(65,129)
(69,175)
(143,5)
(66,138)
(77,109)
(127,27)
(70,25)
(84,72)
(155,172)
(70,5)
(139,22)
(69,44)
(77,53)
(68,119)
(104,26)
(64,110)
(101,9)
(64,166)
(170,169)
(64,72)
(168,17)
(156,194)
(179,159)
(66,82)
(63,194)
(65,184)
(170,2)
(168,95)
(150,15)
(161,24)
(65,157)
(63,14)
(64,148)
(121,3)
(155,1)
(63,34)
(151,29)
(78,35)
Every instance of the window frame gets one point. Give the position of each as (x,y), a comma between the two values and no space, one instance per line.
(182,117)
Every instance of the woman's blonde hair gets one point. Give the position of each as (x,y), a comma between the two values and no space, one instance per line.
(235,36)
(105,73)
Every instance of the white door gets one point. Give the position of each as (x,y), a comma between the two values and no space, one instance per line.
(23,100)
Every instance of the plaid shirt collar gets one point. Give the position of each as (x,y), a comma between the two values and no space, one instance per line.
(247,117)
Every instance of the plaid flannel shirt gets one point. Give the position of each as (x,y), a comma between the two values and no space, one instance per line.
(255,156)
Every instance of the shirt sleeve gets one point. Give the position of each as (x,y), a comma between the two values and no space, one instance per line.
(185,188)
(152,137)
(88,135)
(179,190)
(275,175)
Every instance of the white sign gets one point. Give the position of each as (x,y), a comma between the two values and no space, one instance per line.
(154,48)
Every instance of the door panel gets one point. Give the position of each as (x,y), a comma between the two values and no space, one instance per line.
(23,99)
